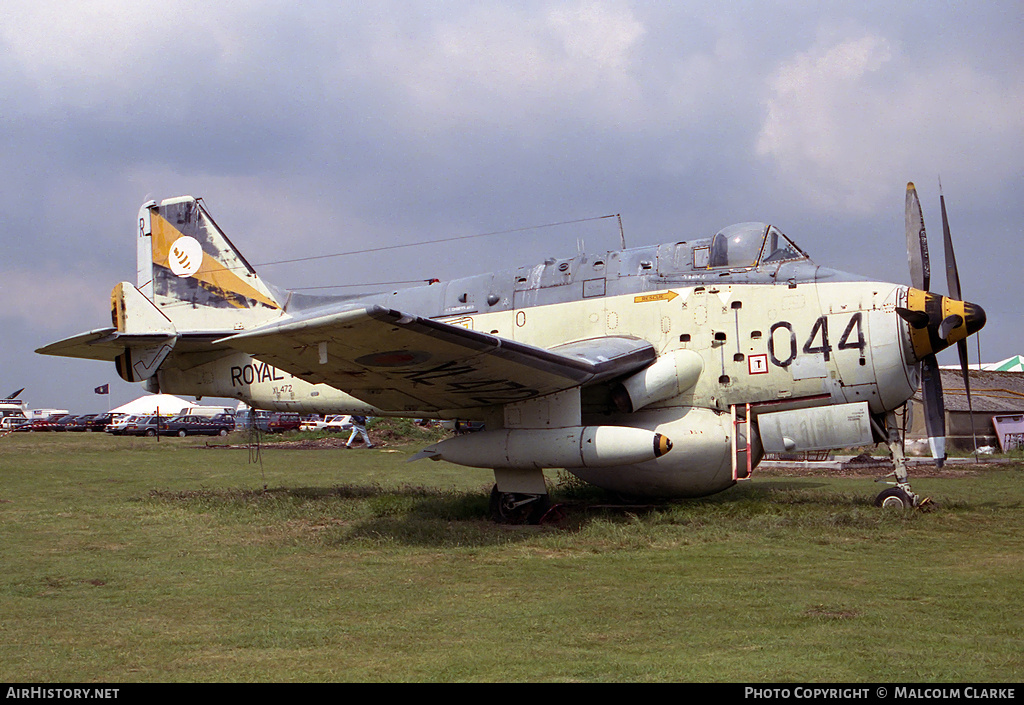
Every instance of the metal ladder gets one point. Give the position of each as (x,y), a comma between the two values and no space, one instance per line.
(744,471)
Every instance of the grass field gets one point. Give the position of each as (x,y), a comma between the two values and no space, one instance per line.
(132,560)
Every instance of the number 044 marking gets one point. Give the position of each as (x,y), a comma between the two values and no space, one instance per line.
(783,353)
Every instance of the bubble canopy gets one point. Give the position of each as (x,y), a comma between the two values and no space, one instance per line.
(750,244)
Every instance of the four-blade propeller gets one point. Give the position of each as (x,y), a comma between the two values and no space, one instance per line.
(936,322)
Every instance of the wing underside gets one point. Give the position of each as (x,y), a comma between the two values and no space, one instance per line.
(401,362)
(99,344)
(107,343)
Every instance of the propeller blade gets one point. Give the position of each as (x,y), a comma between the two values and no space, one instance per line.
(961,347)
(934,409)
(917,242)
(948,324)
(953,282)
(952,275)
(916,319)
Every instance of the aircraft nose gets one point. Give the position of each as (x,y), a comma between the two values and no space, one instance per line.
(937,321)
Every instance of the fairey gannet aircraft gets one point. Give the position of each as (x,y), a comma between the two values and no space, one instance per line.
(663,371)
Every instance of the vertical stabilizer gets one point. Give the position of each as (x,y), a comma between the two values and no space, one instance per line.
(193,274)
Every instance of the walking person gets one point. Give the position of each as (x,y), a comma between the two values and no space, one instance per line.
(359,428)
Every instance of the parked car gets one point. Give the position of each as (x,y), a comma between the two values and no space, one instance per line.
(227,419)
(311,423)
(60,423)
(79,423)
(462,427)
(117,427)
(249,418)
(146,426)
(99,422)
(88,423)
(342,422)
(280,422)
(190,425)
(47,425)
(12,423)
(338,422)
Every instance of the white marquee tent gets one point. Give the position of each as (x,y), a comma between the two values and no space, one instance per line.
(148,405)
(1010,364)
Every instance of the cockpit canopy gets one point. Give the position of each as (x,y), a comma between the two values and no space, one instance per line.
(750,244)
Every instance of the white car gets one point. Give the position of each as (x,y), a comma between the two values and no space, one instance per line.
(341,422)
(117,428)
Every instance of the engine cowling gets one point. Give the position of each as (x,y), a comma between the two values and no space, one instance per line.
(700,462)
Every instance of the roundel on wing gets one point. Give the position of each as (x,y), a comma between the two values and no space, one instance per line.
(185,257)
(394,358)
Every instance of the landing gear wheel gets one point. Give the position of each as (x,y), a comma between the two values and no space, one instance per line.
(518,508)
(895,498)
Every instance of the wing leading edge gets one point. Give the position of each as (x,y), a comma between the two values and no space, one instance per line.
(401,362)
(98,344)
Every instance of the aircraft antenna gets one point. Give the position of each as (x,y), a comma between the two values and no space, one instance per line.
(384,248)
(622,233)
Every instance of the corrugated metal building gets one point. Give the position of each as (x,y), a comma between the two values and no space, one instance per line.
(993,393)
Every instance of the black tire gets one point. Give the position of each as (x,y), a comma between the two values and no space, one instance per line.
(223,432)
(181,433)
(894,498)
(517,508)
(150,432)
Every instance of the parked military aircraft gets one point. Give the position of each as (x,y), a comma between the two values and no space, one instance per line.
(661,371)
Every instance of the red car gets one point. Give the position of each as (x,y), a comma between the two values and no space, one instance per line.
(279,423)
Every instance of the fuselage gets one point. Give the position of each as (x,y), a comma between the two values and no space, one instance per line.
(782,335)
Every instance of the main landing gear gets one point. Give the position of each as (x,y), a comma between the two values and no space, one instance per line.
(518,507)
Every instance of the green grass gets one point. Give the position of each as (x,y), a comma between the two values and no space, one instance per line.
(129,560)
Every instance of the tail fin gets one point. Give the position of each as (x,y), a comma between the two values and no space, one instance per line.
(193,274)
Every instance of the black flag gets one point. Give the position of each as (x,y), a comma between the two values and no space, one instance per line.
(105,389)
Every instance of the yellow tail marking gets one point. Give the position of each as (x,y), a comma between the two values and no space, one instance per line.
(117,308)
(210,272)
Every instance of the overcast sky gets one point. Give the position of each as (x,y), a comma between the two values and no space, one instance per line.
(322,127)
